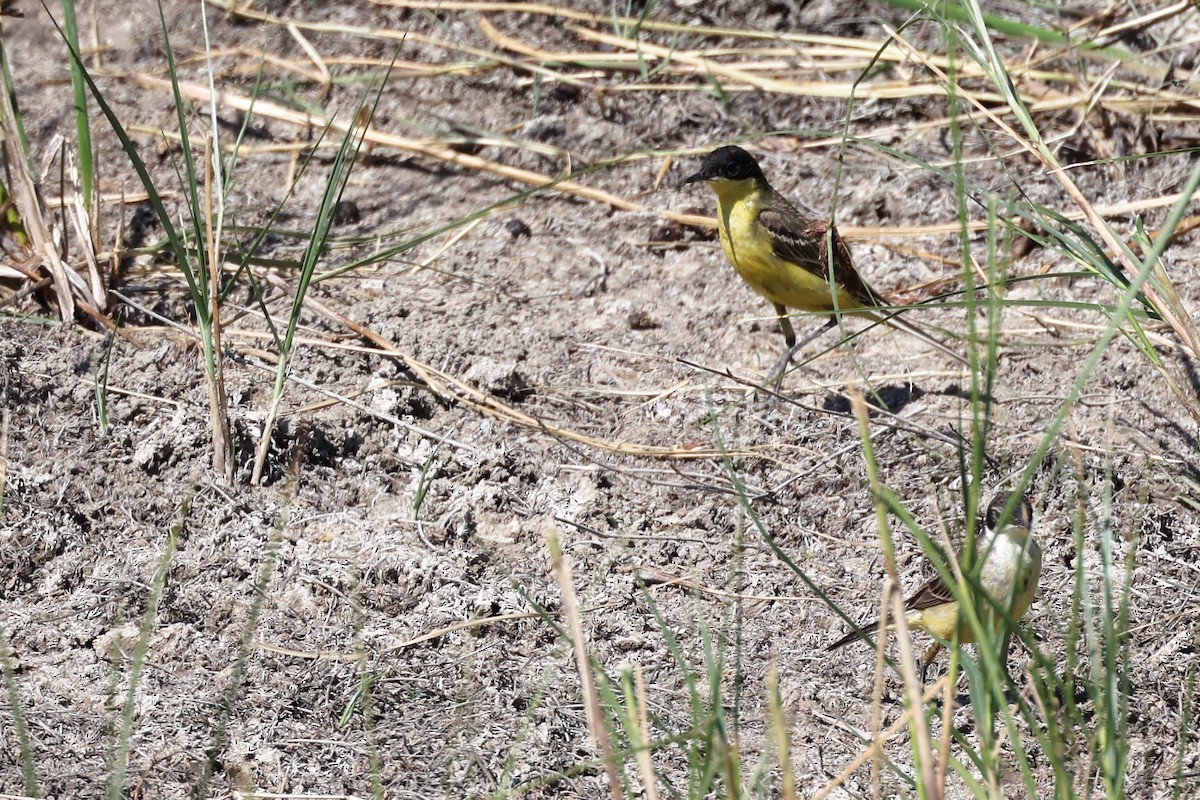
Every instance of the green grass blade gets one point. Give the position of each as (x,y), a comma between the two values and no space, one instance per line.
(119,759)
(953,12)
(79,94)
(19,723)
(10,88)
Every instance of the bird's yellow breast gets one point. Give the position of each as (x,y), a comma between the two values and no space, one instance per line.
(748,246)
(940,621)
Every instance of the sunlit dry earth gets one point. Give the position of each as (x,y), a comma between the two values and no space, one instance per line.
(616,349)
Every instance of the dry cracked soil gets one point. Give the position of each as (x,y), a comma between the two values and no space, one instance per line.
(379,614)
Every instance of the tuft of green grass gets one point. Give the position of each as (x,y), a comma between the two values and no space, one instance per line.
(339,175)
(200,267)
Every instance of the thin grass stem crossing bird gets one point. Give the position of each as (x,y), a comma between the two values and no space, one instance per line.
(1011,565)
(790,260)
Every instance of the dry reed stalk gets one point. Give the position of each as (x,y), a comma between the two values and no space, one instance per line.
(310,655)
(816,88)
(218,403)
(779,736)
(324,78)
(1138,24)
(400,37)
(427,147)
(598,731)
(818,59)
(118,198)
(654,576)
(463,625)
(1144,97)
(27,198)
(878,684)
(694,62)
(912,688)
(641,725)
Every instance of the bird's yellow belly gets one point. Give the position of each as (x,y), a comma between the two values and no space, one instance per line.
(747,245)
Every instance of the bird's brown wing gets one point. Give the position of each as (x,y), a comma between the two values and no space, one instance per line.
(933,593)
(805,244)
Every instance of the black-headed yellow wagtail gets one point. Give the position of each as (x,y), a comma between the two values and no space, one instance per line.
(1012,562)
(785,257)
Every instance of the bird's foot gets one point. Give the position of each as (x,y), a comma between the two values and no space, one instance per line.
(774,379)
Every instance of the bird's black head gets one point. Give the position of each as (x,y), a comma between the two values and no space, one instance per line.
(729,163)
(1022,515)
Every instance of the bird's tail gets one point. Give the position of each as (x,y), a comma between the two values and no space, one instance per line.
(854,636)
(912,329)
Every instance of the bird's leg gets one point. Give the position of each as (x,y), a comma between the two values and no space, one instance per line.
(785,325)
(775,378)
(928,658)
(1005,645)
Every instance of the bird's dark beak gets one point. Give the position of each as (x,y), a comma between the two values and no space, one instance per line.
(699,176)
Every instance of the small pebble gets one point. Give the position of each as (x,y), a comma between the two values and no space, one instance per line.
(516,228)
(346,213)
(641,321)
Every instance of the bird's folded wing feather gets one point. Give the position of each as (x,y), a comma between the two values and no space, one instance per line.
(804,244)
(933,593)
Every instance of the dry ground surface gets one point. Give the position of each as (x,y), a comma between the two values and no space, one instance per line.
(612,344)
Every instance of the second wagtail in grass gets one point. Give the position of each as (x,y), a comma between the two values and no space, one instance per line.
(785,257)
(1011,564)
